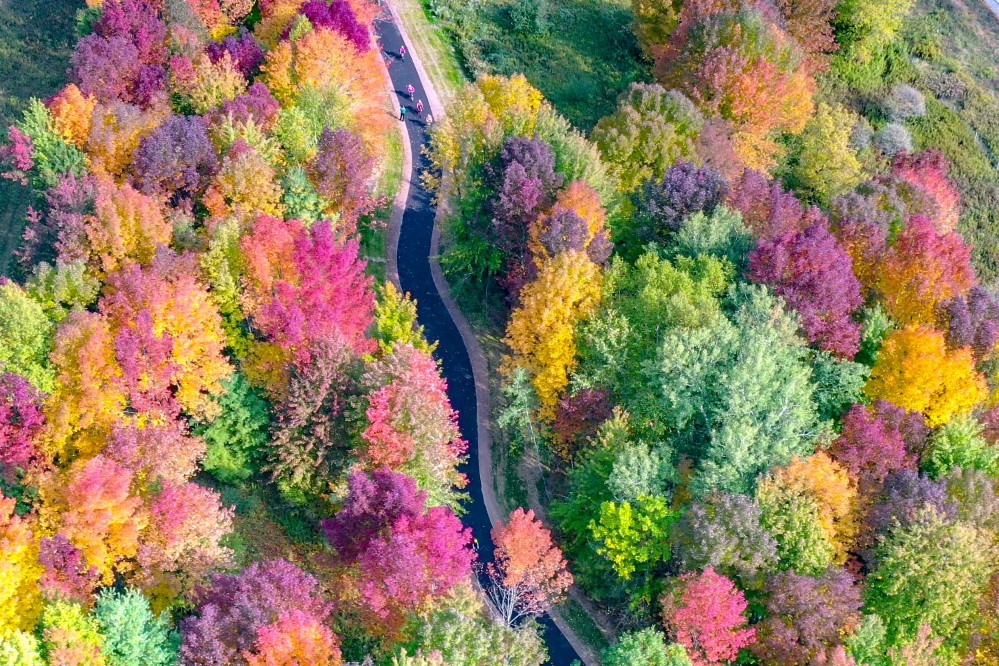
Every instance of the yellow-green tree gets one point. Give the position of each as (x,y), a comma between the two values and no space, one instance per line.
(542,331)
(827,165)
(514,101)
(633,535)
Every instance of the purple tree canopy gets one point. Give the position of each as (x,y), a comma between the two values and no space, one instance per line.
(139,23)
(524,181)
(723,531)
(685,189)
(256,104)
(767,208)
(21,419)
(973,321)
(871,447)
(374,503)
(66,572)
(338,16)
(805,615)
(565,230)
(905,493)
(814,274)
(911,425)
(106,68)
(176,158)
(244,49)
(233,607)
(341,171)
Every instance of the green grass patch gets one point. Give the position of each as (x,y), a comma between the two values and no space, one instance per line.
(581,54)
(436,51)
(374,233)
(584,626)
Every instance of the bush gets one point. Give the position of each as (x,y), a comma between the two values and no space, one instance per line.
(893,139)
(529,17)
(862,134)
(904,102)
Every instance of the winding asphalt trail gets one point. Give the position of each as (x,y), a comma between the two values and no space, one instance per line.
(416,277)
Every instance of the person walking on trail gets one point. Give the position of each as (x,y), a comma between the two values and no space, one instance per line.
(419,108)
(410,90)
(402,52)
(429,119)
(402,113)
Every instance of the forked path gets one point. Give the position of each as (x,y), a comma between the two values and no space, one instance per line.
(417,244)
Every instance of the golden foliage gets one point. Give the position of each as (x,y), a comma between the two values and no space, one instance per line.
(115,133)
(915,370)
(514,101)
(87,400)
(323,60)
(542,331)
(126,226)
(72,111)
(91,505)
(20,599)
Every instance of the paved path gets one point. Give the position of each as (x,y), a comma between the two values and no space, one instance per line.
(416,244)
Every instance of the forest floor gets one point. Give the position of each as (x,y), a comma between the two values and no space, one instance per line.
(36,40)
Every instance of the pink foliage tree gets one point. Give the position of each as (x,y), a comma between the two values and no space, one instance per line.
(16,156)
(98,514)
(707,615)
(342,171)
(181,544)
(327,294)
(806,615)
(401,557)
(66,575)
(169,335)
(814,274)
(922,269)
(296,638)
(374,502)
(415,565)
(158,454)
(232,608)
(21,419)
(579,415)
(926,172)
(767,208)
(147,366)
(411,425)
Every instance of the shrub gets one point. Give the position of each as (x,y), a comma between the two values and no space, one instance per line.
(904,102)
(893,139)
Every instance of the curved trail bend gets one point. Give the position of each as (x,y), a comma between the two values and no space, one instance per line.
(417,245)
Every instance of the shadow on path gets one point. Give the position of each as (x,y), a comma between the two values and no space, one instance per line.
(416,278)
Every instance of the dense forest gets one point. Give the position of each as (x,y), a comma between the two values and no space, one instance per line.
(746,339)
(223,438)
(745,343)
